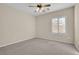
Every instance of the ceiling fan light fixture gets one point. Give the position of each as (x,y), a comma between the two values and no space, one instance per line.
(41,8)
(37,10)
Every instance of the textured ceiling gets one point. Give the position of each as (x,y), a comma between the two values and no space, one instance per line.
(24,7)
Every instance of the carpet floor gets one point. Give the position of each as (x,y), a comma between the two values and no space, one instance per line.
(39,47)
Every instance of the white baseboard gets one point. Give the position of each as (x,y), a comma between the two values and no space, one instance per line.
(33,38)
(56,41)
(16,42)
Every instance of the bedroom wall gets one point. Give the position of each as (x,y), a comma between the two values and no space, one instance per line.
(43,26)
(76,28)
(15,26)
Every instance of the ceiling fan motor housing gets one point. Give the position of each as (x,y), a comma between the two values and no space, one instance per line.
(39,6)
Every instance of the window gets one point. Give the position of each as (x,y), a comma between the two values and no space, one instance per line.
(58,25)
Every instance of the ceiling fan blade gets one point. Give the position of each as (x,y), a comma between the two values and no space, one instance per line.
(48,5)
(32,6)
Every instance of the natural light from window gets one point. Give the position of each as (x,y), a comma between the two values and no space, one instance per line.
(58,25)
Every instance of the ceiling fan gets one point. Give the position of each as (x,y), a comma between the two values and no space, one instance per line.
(41,7)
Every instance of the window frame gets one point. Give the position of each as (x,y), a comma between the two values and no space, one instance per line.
(58,25)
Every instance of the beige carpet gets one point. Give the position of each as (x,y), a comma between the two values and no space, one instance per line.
(39,47)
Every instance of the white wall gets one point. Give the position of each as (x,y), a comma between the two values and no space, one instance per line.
(76,12)
(43,27)
(15,26)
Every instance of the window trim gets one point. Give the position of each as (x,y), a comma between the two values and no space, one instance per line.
(58,24)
